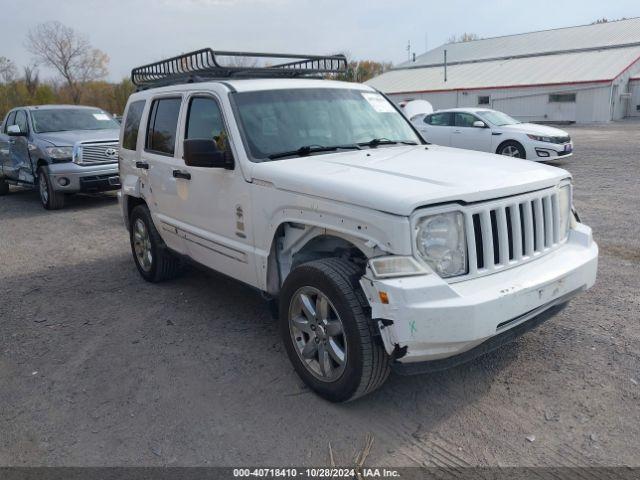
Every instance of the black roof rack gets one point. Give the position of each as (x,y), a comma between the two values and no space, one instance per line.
(207,64)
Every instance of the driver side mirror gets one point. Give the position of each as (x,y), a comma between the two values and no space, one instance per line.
(200,152)
(14,131)
(479,124)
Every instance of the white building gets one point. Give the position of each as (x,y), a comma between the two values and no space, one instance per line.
(579,74)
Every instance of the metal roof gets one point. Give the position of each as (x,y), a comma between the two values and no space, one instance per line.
(584,67)
(610,34)
(590,53)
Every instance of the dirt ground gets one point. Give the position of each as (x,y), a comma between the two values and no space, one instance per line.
(98,367)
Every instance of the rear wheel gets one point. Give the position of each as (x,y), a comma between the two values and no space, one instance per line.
(4,187)
(154,260)
(329,336)
(51,200)
(512,149)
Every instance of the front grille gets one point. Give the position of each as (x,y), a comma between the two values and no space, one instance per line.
(561,140)
(99,152)
(507,232)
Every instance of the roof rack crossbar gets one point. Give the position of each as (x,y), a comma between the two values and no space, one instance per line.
(206,64)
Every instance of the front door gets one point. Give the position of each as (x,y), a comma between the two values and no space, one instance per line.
(6,166)
(465,135)
(214,203)
(20,160)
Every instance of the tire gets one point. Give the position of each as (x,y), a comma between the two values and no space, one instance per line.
(366,364)
(154,260)
(50,199)
(511,148)
(4,187)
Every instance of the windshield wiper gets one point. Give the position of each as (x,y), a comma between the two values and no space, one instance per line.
(309,149)
(373,143)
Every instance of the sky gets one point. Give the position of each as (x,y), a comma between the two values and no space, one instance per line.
(136,32)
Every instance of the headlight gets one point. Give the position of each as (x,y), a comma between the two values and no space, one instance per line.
(539,138)
(565,203)
(60,153)
(442,244)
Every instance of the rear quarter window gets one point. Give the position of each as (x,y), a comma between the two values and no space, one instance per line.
(132,125)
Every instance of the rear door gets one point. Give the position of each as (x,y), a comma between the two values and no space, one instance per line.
(164,190)
(465,135)
(436,128)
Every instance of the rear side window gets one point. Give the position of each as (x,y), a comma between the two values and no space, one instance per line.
(132,124)
(204,121)
(163,123)
(439,119)
(11,120)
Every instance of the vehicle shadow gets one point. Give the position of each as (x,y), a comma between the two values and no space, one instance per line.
(22,202)
(202,340)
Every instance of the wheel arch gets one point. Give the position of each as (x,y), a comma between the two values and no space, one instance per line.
(129,203)
(296,243)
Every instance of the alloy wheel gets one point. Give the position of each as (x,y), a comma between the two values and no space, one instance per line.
(43,187)
(318,334)
(142,245)
(511,151)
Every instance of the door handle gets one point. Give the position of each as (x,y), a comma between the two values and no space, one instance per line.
(143,165)
(457,131)
(181,174)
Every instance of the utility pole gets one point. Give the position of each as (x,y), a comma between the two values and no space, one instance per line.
(409,50)
(445,65)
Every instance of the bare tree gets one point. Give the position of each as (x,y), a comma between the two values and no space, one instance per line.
(465,37)
(7,70)
(69,53)
(31,79)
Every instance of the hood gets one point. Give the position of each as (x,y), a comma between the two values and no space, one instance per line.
(70,137)
(400,179)
(534,129)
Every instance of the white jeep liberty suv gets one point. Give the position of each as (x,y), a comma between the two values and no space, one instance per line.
(383,252)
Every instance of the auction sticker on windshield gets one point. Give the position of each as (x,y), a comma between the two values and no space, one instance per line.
(101,116)
(378,102)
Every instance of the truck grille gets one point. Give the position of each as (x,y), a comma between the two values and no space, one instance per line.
(511,231)
(98,152)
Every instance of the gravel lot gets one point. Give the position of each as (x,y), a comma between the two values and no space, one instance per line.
(98,367)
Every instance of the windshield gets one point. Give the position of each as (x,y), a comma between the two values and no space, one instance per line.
(497,118)
(308,120)
(63,119)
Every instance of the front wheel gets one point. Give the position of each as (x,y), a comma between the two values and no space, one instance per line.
(330,339)
(512,149)
(51,199)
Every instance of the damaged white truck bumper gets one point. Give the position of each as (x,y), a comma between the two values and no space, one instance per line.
(430,324)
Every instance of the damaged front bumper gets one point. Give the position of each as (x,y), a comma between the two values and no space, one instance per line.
(428,320)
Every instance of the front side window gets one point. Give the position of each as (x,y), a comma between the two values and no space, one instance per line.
(465,120)
(21,121)
(162,126)
(204,121)
(496,118)
(67,119)
(278,121)
(132,125)
(439,119)
(11,120)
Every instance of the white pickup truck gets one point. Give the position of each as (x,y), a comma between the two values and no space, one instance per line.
(382,251)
